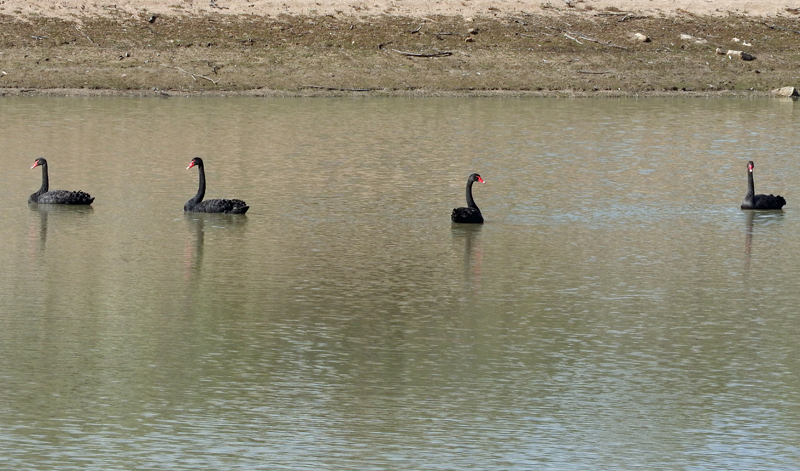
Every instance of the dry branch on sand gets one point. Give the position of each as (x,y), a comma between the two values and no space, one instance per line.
(432,54)
(336,89)
(194,76)
(577,36)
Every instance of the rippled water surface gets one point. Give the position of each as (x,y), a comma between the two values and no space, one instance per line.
(616,311)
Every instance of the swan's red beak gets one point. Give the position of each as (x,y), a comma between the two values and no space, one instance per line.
(35,164)
(480,179)
(190,165)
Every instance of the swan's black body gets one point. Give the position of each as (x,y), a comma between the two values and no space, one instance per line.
(754,201)
(197,204)
(471,214)
(44,196)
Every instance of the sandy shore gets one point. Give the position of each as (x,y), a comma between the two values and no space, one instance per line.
(75,9)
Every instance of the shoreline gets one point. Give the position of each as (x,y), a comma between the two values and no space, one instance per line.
(561,94)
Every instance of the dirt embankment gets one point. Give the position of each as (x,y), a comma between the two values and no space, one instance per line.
(471,47)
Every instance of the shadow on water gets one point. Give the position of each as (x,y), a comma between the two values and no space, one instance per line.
(758,219)
(473,251)
(58,211)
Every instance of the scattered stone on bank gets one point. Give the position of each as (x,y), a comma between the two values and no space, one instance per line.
(786,91)
(641,37)
(732,54)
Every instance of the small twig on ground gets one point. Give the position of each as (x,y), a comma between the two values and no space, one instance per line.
(418,29)
(613,13)
(194,76)
(594,73)
(336,89)
(434,54)
(580,36)
(178,68)
(204,77)
(631,17)
(87,36)
(570,37)
(781,28)
(538,34)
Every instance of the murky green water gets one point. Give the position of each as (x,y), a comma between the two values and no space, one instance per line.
(616,311)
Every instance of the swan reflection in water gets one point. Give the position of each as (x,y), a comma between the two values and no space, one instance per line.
(473,251)
(758,219)
(64,215)
(199,224)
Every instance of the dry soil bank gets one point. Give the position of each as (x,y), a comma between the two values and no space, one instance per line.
(555,51)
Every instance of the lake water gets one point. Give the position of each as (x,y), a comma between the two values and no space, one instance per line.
(616,311)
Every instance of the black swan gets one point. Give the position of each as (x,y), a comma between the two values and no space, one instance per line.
(471,214)
(754,201)
(197,204)
(43,196)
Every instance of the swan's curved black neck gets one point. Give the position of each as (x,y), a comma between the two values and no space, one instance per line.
(751,190)
(45,181)
(470,201)
(201,191)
